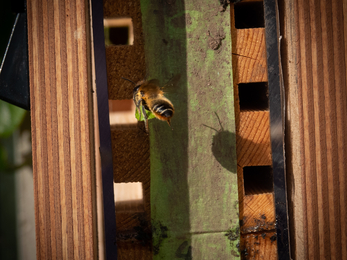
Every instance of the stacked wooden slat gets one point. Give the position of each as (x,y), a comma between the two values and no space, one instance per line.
(256,200)
(130,144)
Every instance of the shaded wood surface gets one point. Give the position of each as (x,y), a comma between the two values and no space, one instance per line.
(61,129)
(126,61)
(130,144)
(131,164)
(128,251)
(317,121)
(260,245)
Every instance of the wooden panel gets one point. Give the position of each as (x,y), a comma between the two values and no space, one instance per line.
(128,251)
(193,167)
(61,122)
(261,245)
(318,105)
(126,61)
(249,54)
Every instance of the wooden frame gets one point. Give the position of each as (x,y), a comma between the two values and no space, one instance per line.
(314,59)
(314,56)
(62,136)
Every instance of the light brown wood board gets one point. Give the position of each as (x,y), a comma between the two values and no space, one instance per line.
(253,139)
(61,112)
(257,212)
(315,76)
(249,55)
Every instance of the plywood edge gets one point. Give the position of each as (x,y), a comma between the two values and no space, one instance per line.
(62,139)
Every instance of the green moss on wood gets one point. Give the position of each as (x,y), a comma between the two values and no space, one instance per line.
(193,166)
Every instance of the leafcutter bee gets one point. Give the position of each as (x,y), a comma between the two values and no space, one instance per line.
(150,101)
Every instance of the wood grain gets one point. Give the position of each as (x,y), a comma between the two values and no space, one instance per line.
(257,212)
(131,163)
(61,123)
(253,139)
(249,55)
(261,245)
(318,105)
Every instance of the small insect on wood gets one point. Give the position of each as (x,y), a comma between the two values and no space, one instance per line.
(150,102)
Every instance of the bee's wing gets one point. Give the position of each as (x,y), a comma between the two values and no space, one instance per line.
(170,85)
(153,82)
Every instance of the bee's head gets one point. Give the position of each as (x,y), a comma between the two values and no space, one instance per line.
(136,89)
(137,85)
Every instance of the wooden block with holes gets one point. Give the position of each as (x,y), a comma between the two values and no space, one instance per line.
(256,198)
(126,61)
(130,143)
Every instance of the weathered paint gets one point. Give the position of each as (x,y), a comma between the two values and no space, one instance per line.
(194,195)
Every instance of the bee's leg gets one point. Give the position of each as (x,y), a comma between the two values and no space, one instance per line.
(169,122)
(145,116)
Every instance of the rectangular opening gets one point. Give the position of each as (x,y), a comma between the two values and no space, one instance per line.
(253,96)
(257,179)
(118,31)
(122,112)
(249,15)
(128,197)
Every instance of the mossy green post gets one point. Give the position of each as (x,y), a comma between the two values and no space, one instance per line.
(194,195)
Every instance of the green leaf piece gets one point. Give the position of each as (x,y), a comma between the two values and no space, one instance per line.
(150,115)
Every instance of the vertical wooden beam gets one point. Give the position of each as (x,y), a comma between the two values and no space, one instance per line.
(314,36)
(61,129)
(193,167)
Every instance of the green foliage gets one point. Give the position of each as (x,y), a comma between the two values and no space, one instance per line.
(10,118)
(3,158)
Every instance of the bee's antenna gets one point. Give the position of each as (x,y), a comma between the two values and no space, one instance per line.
(210,127)
(219,121)
(129,80)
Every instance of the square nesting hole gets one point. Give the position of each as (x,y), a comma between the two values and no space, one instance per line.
(249,15)
(253,96)
(128,197)
(257,179)
(118,31)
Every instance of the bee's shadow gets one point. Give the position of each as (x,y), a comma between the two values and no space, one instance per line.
(224,148)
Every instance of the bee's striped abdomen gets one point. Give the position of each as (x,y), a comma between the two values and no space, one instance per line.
(163,109)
